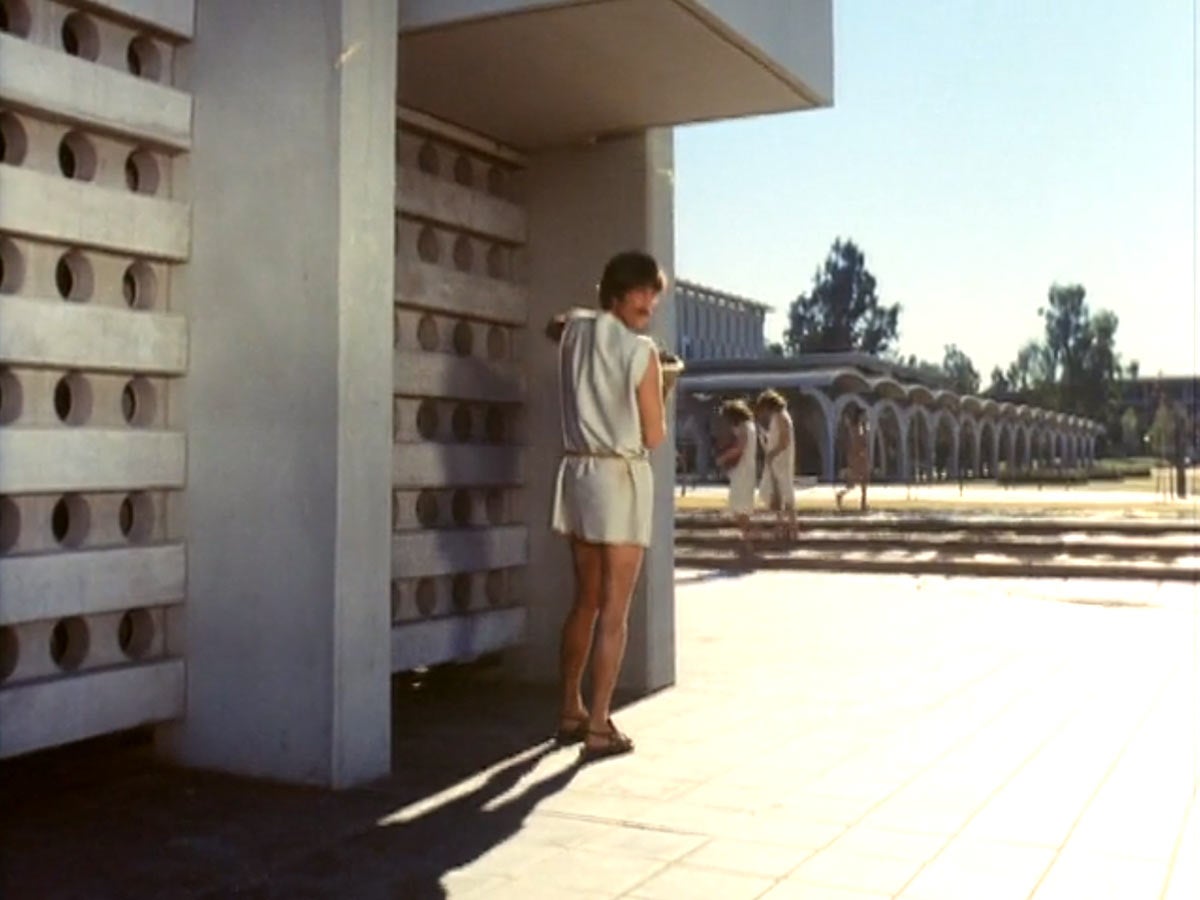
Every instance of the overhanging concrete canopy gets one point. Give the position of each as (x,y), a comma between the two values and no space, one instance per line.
(536,73)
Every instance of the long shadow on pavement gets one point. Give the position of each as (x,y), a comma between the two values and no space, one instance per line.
(106,820)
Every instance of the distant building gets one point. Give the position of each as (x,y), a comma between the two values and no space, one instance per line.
(714,324)
(1181,392)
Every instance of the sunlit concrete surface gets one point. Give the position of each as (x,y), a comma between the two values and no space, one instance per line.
(831,736)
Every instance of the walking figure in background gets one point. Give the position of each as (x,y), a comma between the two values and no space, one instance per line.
(858,457)
(740,460)
(613,383)
(778,486)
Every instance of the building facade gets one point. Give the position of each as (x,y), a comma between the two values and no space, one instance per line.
(272,281)
(715,324)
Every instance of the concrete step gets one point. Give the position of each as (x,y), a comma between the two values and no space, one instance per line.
(1012,542)
(916,522)
(951,545)
(983,563)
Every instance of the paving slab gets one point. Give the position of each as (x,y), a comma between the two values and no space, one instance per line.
(830,736)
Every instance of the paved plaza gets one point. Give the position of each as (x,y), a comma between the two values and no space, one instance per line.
(831,736)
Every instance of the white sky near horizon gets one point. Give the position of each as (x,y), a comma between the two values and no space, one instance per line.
(977,152)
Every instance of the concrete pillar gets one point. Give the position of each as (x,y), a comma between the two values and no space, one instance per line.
(586,203)
(289,402)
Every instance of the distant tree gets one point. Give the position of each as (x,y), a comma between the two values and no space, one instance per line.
(1131,432)
(842,311)
(1030,370)
(1162,431)
(775,348)
(999,386)
(960,371)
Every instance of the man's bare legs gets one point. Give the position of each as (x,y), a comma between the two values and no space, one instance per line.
(622,562)
(577,630)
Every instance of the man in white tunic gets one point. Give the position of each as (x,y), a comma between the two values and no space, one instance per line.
(612,402)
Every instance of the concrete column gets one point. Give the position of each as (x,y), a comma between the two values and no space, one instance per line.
(288,402)
(586,203)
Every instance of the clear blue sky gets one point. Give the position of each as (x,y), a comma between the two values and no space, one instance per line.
(977,151)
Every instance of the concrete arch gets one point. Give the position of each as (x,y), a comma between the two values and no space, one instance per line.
(945,443)
(989,448)
(893,448)
(813,421)
(968,446)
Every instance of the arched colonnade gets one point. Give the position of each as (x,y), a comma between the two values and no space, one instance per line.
(918,433)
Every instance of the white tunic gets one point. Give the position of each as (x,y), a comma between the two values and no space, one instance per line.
(742,475)
(605,488)
(778,484)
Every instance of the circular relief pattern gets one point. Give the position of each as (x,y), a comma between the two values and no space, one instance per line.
(12,267)
(139,286)
(429,246)
(10,524)
(426,596)
(70,521)
(464,253)
(136,517)
(69,642)
(73,277)
(427,333)
(15,18)
(428,513)
(428,159)
(77,156)
(463,338)
(427,420)
(12,397)
(135,634)
(80,37)
(144,59)
(142,175)
(73,399)
(14,142)
(10,652)
(139,402)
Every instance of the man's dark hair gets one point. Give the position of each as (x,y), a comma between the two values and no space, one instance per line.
(627,272)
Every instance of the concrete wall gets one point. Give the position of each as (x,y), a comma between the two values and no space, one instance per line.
(795,34)
(432,13)
(94,226)
(459,543)
(291,287)
(585,204)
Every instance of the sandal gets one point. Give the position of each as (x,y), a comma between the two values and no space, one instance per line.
(615,744)
(573,733)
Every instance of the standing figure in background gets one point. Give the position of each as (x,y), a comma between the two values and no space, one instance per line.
(858,457)
(740,461)
(778,486)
